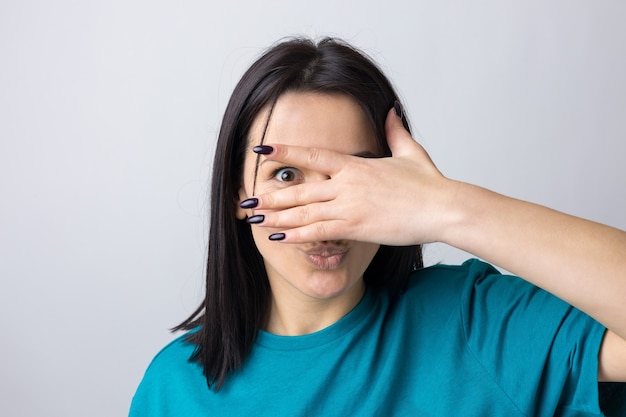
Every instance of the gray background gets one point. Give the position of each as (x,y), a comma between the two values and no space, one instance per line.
(108,115)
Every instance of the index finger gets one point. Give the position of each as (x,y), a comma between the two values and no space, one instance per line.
(320,160)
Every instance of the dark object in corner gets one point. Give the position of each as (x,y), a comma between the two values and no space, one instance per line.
(612,398)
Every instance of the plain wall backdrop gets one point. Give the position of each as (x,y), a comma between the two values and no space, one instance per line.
(109,111)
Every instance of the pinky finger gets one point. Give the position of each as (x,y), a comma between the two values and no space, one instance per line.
(316,232)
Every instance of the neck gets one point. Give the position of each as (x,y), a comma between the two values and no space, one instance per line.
(299,315)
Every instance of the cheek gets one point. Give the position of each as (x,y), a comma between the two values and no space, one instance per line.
(274,254)
(262,242)
(367,251)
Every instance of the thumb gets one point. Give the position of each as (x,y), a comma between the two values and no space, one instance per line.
(399,139)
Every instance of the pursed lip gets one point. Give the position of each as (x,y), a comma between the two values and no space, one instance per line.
(326,250)
(326,257)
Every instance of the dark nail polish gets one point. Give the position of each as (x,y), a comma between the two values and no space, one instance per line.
(277,236)
(397,107)
(249,203)
(263,149)
(258,218)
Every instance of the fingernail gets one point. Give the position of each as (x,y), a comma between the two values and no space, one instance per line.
(258,218)
(397,107)
(263,149)
(249,203)
(277,236)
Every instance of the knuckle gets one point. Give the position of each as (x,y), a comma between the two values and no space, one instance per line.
(299,195)
(313,156)
(266,201)
(281,152)
(271,218)
(305,214)
(296,235)
(320,229)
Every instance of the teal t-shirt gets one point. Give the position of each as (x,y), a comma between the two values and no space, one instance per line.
(461,341)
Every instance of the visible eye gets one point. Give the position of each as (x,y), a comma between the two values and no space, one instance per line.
(287,174)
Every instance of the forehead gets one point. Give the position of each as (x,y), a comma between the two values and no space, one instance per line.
(330,121)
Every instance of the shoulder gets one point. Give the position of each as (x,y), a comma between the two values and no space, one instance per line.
(173,355)
(441,295)
(487,299)
(441,276)
(440,283)
(170,377)
(474,281)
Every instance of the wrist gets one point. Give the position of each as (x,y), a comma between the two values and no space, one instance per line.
(467,206)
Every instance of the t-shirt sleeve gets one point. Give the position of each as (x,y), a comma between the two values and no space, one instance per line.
(541,351)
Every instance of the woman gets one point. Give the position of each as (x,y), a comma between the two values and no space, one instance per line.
(317,302)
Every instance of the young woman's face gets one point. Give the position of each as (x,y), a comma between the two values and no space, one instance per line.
(319,270)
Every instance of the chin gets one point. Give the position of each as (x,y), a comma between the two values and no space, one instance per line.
(325,286)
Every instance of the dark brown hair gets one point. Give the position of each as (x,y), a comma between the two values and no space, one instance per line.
(237,288)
